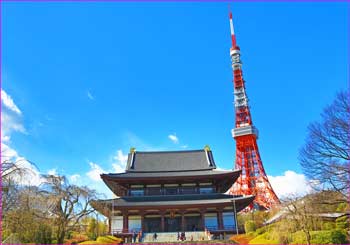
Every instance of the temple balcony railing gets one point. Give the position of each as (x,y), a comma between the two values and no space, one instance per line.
(216,228)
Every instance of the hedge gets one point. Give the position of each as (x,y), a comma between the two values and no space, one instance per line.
(249,226)
(263,239)
(104,240)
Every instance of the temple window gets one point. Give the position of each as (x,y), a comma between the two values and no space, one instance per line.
(189,190)
(205,190)
(171,191)
(154,191)
(137,192)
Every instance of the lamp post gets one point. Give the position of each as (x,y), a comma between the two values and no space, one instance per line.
(235,214)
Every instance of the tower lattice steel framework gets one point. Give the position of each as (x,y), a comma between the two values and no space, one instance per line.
(253,180)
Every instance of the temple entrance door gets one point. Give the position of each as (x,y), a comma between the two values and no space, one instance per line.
(172,224)
(193,222)
(152,223)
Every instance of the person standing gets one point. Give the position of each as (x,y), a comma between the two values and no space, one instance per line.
(134,235)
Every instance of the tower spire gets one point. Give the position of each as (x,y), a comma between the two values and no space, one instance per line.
(233,37)
(253,180)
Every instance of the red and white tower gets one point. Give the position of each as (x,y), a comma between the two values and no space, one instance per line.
(253,180)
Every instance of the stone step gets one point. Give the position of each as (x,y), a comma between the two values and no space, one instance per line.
(172,236)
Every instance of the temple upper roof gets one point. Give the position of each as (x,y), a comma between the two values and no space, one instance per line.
(167,161)
(169,167)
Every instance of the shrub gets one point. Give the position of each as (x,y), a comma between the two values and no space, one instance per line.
(334,236)
(241,238)
(328,225)
(298,237)
(109,239)
(249,226)
(342,222)
(76,238)
(260,231)
(43,234)
(321,237)
(91,242)
(341,207)
(263,239)
(338,236)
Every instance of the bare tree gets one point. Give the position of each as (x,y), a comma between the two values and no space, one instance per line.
(67,204)
(12,171)
(325,157)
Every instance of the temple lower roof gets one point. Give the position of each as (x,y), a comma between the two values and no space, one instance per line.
(224,178)
(174,201)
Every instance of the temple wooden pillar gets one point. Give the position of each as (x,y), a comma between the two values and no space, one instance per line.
(202,219)
(125,221)
(183,221)
(110,225)
(142,214)
(162,221)
(220,220)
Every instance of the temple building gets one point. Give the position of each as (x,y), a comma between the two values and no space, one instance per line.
(171,191)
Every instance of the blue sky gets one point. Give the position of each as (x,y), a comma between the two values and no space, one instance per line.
(91,80)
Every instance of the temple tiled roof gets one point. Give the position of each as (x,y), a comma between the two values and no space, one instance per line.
(170,161)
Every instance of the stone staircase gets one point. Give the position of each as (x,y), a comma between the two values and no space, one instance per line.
(172,236)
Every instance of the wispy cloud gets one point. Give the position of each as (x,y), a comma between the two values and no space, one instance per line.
(173,138)
(120,160)
(90,96)
(290,183)
(132,140)
(11,120)
(8,102)
(95,171)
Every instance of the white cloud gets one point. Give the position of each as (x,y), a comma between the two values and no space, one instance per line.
(90,96)
(74,178)
(173,138)
(8,102)
(11,120)
(291,183)
(120,164)
(52,172)
(5,138)
(31,175)
(95,172)
(184,146)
